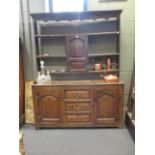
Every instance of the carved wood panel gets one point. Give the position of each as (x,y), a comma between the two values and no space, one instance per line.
(78,118)
(76,46)
(77,53)
(49,107)
(78,106)
(77,94)
(106,107)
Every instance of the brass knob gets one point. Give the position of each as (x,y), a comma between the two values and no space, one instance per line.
(77,97)
(77,108)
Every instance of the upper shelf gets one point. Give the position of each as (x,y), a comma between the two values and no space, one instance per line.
(88,34)
(76,15)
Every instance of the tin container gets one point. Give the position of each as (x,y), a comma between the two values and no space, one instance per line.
(98,67)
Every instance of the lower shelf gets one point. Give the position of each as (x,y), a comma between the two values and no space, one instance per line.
(87,72)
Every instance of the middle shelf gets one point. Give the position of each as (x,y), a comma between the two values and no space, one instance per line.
(89,55)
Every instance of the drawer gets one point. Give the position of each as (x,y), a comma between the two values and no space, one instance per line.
(77,94)
(77,64)
(77,107)
(78,118)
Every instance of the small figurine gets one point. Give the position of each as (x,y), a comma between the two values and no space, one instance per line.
(108,64)
(42,65)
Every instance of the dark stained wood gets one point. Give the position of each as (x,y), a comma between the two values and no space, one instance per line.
(77,52)
(76,46)
(108,105)
(79,106)
(81,53)
(77,94)
(49,107)
(75,15)
(104,54)
(88,34)
(81,103)
(88,72)
(21,87)
(77,65)
(90,55)
(78,118)
(73,104)
(51,56)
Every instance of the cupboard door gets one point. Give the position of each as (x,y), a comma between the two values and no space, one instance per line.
(76,46)
(50,107)
(77,53)
(107,107)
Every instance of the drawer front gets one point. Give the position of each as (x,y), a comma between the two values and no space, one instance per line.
(78,107)
(77,94)
(77,65)
(78,118)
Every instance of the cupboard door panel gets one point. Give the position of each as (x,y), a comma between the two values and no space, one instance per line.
(49,107)
(76,46)
(107,108)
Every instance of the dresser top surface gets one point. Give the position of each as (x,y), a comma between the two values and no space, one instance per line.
(78,82)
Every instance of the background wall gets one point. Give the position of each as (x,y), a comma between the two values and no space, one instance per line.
(127,41)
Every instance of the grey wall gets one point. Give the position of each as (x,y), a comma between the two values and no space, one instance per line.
(26,31)
(127,41)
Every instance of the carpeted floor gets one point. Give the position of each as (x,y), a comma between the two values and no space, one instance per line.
(98,141)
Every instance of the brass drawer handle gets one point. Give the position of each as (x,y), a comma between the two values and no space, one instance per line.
(77,107)
(78,96)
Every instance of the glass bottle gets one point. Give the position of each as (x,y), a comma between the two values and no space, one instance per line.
(48,77)
(39,79)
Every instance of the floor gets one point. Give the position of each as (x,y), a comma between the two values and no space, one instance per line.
(98,141)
